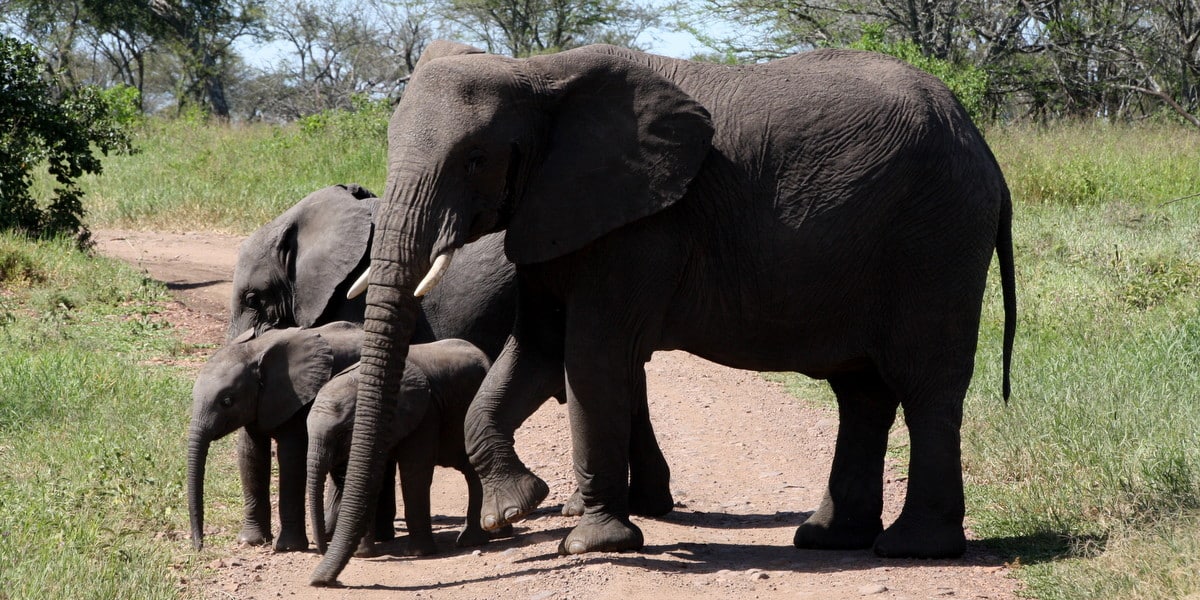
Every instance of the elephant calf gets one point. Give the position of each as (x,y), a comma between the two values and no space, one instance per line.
(441,377)
(265,385)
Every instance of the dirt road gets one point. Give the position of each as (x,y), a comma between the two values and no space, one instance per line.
(748,463)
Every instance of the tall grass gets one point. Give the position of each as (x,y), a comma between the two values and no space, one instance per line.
(91,437)
(188,175)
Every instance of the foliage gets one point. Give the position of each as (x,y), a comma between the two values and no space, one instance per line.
(1045,59)
(527,27)
(969,83)
(92,457)
(41,123)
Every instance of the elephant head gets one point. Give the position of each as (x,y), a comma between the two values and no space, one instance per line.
(330,425)
(555,150)
(256,381)
(290,271)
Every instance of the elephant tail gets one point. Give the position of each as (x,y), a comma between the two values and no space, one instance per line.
(1008,285)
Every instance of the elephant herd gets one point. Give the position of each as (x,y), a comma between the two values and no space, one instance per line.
(551,222)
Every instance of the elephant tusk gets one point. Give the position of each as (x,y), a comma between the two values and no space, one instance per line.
(360,285)
(440,264)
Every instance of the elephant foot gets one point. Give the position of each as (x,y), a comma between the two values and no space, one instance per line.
(643,501)
(511,499)
(917,538)
(598,532)
(650,499)
(385,534)
(366,549)
(420,546)
(573,507)
(472,535)
(815,534)
(252,535)
(291,541)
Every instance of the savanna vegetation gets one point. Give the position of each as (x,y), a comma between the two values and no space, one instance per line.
(1088,477)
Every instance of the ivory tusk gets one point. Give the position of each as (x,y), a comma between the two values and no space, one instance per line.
(440,264)
(360,285)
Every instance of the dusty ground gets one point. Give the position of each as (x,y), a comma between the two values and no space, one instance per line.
(748,462)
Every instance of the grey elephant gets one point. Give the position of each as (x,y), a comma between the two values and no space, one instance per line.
(295,270)
(264,384)
(833,213)
(443,376)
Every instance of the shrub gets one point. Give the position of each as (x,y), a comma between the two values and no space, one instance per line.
(43,124)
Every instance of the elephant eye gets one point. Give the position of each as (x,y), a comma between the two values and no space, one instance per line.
(475,161)
(251,299)
(226,401)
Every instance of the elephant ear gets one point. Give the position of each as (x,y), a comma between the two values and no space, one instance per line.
(415,390)
(624,143)
(294,365)
(325,244)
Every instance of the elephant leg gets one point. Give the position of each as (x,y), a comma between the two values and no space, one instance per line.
(649,474)
(254,468)
(600,391)
(850,514)
(385,508)
(517,384)
(292,448)
(472,534)
(416,478)
(930,524)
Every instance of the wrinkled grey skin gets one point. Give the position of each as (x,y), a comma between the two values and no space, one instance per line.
(294,271)
(832,213)
(264,385)
(444,376)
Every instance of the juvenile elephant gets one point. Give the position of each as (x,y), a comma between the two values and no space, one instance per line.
(833,213)
(295,270)
(265,385)
(442,376)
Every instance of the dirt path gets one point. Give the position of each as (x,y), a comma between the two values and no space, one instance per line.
(747,461)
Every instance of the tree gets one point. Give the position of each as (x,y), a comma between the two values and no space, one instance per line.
(526,27)
(125,33)
(43,123)
(202,33)
(338,49)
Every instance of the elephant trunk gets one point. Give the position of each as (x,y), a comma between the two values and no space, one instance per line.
(399,259)
(319,461)
(198,443)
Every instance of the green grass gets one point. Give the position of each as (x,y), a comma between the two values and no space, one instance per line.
(1089,477)
(92,502)
(191,176)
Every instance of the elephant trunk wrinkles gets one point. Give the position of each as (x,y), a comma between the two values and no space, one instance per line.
(391,316)
(319,461)
(198,444)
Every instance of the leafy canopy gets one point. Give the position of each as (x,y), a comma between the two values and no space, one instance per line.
(44,124)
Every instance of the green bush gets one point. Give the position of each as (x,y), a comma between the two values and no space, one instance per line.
(43,124)
(968,83)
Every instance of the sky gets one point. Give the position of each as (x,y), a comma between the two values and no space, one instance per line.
(676,44)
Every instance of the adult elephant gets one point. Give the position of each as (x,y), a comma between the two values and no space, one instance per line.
(833,213)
